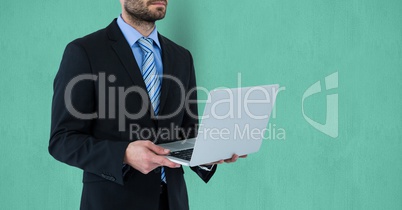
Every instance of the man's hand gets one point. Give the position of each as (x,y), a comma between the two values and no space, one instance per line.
(145,156)
(230,160)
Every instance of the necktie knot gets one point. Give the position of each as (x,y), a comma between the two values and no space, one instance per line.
(146,44)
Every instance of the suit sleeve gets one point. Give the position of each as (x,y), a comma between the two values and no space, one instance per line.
(190,122)
(71,140)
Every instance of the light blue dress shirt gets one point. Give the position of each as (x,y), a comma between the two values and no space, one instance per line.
(132,36)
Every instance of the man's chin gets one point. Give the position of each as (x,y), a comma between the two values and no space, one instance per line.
(159,15)
(153,19)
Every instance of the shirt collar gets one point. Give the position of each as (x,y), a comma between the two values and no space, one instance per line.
(132,35)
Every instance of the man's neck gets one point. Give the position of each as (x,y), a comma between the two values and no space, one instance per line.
(145,28)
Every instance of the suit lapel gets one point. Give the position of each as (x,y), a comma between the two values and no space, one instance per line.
(124,52)
(126,56)
(167,71)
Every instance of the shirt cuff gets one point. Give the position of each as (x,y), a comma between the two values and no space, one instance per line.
(207,168)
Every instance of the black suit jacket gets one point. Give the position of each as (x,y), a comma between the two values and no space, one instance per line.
(104,68)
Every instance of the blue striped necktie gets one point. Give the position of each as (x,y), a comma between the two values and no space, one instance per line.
(151,79)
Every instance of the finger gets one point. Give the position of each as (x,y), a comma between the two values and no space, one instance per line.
(157,149)
(214,163)
(162,161)
(230,161)
(233,159)
(219,162)
(243,156)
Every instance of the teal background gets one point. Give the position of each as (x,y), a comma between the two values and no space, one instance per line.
(293,43)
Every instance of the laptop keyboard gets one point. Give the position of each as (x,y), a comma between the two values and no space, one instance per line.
(183,154)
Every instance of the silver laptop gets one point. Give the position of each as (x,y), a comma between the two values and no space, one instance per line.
(233,122)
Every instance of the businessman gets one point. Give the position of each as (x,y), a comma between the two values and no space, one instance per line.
(123,76)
